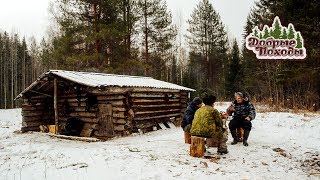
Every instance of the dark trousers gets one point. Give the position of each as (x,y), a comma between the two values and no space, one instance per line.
(240,122)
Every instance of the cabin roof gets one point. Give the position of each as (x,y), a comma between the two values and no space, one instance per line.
(97,80)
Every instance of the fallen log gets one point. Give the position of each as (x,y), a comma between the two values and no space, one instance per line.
(75,138)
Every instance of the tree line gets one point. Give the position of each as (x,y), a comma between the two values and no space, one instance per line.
(138,37)
(18,67)
(292,84)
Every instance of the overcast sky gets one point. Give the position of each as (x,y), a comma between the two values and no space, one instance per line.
(30,17)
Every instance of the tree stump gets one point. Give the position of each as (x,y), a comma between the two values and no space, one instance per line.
(187,138)
(240,132)
(212,142)
(197,146)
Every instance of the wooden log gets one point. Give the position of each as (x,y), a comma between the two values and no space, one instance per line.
(38,118)
(87,129)
(119,128)
(146,90)
(119,109)
(106,127)
(73,95)
(84,109)
(83,114)
(32,124)
(154,103)
(35,113)
(119,121)
(212,142)
(114,103)
(32,108)
(187,138)
(144,126)
(197,146)
(121,115)
(135,100)
(157,106)
(102,136)
(85,139)
(39,97)
(110,98)
(240,133)
(83,119)
(154,96)
(75,104)
(157,117)
(26,129)
(62,100)
(166,111)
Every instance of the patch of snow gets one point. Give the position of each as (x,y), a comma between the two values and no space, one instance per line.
(161,154)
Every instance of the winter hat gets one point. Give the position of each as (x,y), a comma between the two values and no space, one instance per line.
(242,95)
(197,100)
(238,94)
(209,100)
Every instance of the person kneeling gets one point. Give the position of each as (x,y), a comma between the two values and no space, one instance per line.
(208,123)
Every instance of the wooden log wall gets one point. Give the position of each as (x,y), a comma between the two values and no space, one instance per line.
(37,111)
(120,112)
(152,106)
(143,108)
(79,105)
(130,109)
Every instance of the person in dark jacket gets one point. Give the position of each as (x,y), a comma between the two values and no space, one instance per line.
(189,114)
(243,112)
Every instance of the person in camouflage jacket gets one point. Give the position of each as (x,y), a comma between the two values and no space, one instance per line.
(243,112)
(208,123)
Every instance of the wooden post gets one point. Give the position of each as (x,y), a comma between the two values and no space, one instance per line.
(212,142)
(197,146)
(187,138)
(240,133)
(55,105)
(105,118)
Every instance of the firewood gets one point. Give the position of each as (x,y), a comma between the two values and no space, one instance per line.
(197,147)
(187,138)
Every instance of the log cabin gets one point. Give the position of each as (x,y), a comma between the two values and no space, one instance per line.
(101,105)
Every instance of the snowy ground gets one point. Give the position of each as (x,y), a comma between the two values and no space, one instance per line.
(163,154)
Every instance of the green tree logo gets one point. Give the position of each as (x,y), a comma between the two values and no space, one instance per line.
(278,33)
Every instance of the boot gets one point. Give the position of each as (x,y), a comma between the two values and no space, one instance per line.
(223,151)
(245,137)
(234,135)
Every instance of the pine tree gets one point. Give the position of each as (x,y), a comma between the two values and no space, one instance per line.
(208,44)
(299,40)
(277,28)
(233,71)
(278,80)
(256,32)
(266,32)
(260,35)
(93,35)
(284,34)
(291,32)
(158,35)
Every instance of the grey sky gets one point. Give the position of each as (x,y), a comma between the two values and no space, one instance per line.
(30,17)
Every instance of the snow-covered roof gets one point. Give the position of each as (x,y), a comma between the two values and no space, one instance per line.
(100,79)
